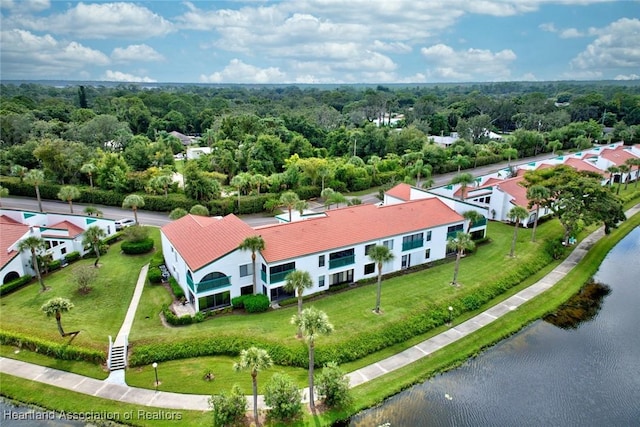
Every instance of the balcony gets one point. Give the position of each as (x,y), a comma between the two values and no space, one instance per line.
(453,234)
(263,276)
(278,277)
(341,262)
(412,245)
(479,223)
(209,285)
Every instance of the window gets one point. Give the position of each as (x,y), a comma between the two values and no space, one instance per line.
(246,270)
(108,230)
(388,244)
(368,248)
(321,261)
(370,268)
(427,253)
(63,251)
(55,243)
(48,244)
(342,277)
(406,261)
(214,301)
(246,290)
(428,239)
(321,281)
(412,242)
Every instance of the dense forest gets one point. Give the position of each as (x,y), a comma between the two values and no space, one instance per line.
(110,141)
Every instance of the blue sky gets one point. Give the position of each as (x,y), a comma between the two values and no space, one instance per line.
(320,41)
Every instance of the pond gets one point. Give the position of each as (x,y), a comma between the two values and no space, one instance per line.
(584,372)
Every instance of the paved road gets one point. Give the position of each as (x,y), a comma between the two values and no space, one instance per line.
(161,218)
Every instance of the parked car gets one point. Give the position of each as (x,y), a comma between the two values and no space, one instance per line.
(124,223)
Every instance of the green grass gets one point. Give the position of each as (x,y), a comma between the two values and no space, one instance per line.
(96,315)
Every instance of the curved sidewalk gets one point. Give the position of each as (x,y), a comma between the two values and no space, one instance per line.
(114,389)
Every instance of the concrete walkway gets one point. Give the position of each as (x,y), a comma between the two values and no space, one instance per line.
(119,391)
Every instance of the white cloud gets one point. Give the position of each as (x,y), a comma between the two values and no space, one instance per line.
(627,77)
(571,33)
(103,21)
(44,56)
(616,46)
(136,52)
(444,63)
(548,27)
(25,5)
(117,76)
(239,72)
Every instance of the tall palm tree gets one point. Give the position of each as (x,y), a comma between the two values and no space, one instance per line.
(465,179)
(635,162)
(297,281)
(536,195)
(517,214)
(35,245)
(253,244)
(510,153)
(313,323)
(4,192)
(420,170)
(161,182)
(613,170)
(93,211)
(472,217)
(379,254)
(624,172)
(300,206)
(67,194)
(133,202)
(461,242)
(259,181)
(35,177)
(289,199)
(89,169)
(56,306)
(254,360)
(239,182)
(93,236)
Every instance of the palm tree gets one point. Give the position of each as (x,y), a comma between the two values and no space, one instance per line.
(461,242)
(93,236)
(253,244)
(517,214)
(19,171)
(554,146)
(472,217)
(297,281)
(35,177)
(67,194)
(56,306)
(464,179)
(380,254)
(613,170)
(133,201)
(4,192)
(89,169)
(300,206)
(259,181)
(510,153)
(161,182)
(289,200)
(636,163)
(419,170)
(313,323)
(624,170)
(461,161)
(90,210)
(34,244)
(255,360)
(239,181)
(536,195)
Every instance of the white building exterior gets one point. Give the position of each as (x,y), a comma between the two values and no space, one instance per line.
(62,233)
(203,256)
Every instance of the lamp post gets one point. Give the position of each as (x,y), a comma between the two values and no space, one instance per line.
(450,314)
(155,368)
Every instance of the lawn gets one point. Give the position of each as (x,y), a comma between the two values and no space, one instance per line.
(96,315)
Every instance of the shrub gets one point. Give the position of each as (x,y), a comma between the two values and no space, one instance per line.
(135,233)
(61,351)
(256,303)
(14,285)
(55,265)
(154,275)
(174,320)
(238,302)
(157,260)
(134,248)
(199,210)
(284,398)
(175,287)
(113,238)
(228,410)
(72,256)
(555,248)
(333,386)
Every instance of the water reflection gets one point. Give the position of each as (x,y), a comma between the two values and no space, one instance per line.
(582,307)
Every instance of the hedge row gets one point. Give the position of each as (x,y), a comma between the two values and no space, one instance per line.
(14,285)
(175,287)
(425,318)
(135,248)
(61,351)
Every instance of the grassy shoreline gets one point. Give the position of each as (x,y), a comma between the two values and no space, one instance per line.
(369,394)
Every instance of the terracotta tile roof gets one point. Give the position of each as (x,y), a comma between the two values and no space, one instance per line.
(72,229)
(513,188)
(353,225)
(618,156)
(201,240)
(581,165)
(10,231)
(400,191)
